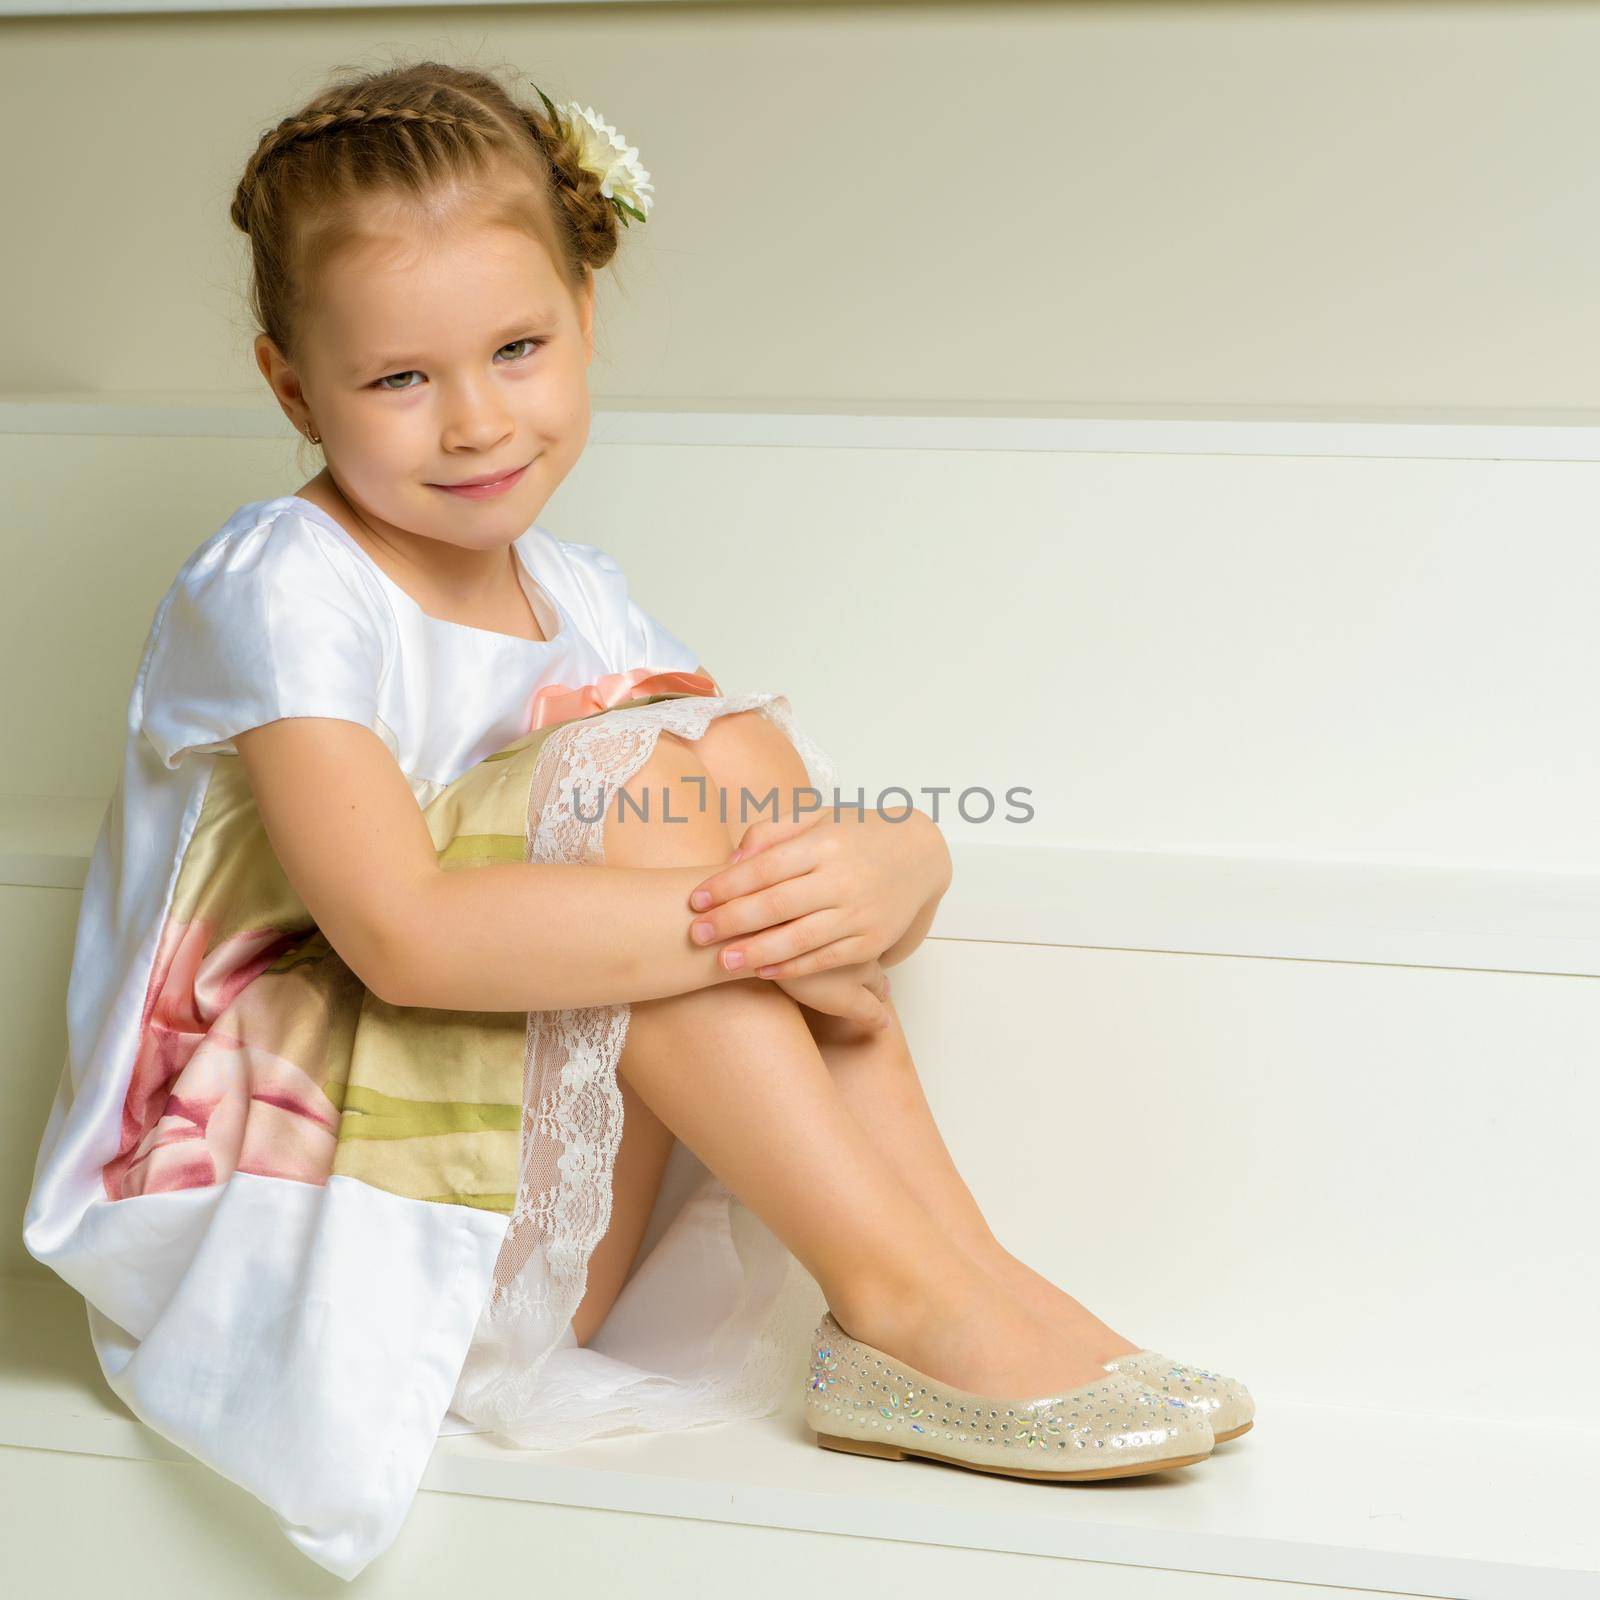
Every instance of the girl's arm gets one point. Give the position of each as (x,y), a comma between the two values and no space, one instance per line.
(512,936)
(531,936)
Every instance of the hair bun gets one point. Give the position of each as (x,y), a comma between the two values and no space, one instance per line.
(599,180)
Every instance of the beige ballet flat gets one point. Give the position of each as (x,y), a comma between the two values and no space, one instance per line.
(1225,1402)
(860,1400)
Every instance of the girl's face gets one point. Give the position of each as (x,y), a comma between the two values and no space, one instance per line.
(430,366)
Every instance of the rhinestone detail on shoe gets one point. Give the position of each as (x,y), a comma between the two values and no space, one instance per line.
(1226,1403)
(853,1387)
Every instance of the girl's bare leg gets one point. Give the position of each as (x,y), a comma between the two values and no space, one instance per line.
(635,1185)
(733,1070)
(879,1081)
(876,1073)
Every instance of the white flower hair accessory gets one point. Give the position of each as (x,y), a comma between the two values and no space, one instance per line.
(600,149)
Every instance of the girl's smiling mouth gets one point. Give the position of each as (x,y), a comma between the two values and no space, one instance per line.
(480,489)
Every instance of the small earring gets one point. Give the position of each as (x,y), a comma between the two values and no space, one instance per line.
(315,438)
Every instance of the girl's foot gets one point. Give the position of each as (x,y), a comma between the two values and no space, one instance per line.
(973,1333)
(1077,1326)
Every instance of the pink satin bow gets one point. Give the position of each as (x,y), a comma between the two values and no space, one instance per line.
(560,702)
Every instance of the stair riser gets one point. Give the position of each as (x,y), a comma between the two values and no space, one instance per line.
(1344,1183)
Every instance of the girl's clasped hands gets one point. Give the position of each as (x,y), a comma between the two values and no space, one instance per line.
(823,895)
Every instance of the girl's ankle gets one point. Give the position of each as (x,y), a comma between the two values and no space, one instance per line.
(892,1316)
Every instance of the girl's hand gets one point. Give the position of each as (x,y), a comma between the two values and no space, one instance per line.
(828,889)
(851,998)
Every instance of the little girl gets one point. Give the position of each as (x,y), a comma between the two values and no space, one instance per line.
(452,1036)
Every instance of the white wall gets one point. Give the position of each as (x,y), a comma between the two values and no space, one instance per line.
(1252,204)
(1346,659)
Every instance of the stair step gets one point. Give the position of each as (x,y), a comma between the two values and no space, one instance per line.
(1466,916)
(1339,1495)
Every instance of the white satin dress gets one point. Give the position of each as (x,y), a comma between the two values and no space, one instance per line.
(308,1341)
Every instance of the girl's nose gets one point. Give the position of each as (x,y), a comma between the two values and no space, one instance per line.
(475,422)
(477,433)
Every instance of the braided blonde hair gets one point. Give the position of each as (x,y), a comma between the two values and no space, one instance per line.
(436,139)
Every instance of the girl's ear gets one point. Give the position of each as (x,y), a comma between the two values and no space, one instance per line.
(586,314)
(267,357)
(283,380)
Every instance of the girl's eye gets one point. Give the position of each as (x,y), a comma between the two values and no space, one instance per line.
(384,384)
(536,343)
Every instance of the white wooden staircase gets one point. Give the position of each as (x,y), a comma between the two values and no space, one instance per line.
(1306,709)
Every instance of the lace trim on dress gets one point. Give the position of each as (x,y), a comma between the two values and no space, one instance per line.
(572,1127)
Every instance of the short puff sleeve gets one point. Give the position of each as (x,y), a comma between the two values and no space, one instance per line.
(626,634)
(266,623)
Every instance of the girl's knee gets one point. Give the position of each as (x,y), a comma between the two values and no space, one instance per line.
(667,811)
(749,738)
(757,768)
(674,764)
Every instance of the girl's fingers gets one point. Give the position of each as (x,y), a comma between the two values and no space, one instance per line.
(741,877)
(779,884)
(748,871)
(876,990)
(793,902)
(764,832)
(869,1011)
(795,949)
